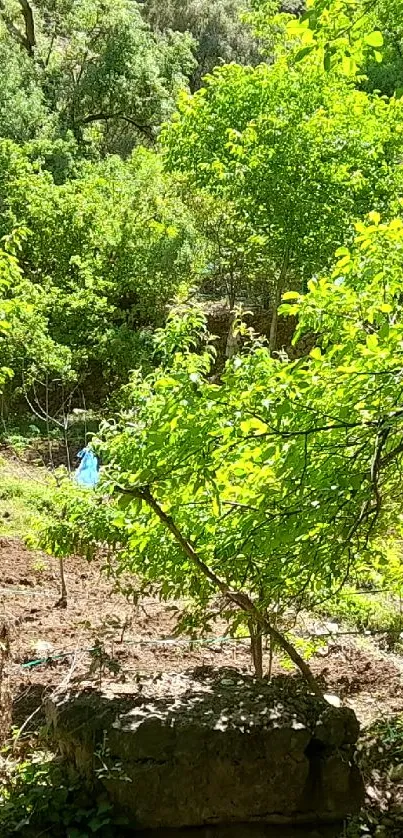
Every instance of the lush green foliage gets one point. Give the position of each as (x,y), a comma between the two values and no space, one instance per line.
(368,613)
(37,793)
(386,76)
(274,483)
(340,35)
(219,33)
(91,68)
(23,112)
(100,258)
(283,477)
(290,159)
(24,336)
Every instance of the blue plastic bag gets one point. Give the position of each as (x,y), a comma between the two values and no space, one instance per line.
(87,474)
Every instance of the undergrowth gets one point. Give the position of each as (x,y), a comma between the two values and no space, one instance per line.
(373,600)
(380,758)
(21,434)
(368,612)
(25,500)
(39,796)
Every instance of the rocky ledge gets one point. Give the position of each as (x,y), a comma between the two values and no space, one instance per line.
(213,747)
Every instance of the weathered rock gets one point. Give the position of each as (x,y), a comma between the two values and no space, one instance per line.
(215,750)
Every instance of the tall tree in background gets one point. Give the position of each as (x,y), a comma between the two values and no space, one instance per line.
(297,157)
(219,33)
(102,73)
(222,30)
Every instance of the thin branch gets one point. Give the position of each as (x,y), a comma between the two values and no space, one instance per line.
(388,458)
(103,116)
(27,41)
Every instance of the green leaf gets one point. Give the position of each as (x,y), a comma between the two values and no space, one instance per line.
(302,53)
(372,342)
(253,424)
(124,501)
(291,295)
(327,61)
(374,39)
(349,65)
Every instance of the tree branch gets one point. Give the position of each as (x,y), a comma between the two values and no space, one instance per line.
(388,458)
(104,116)
(28,40)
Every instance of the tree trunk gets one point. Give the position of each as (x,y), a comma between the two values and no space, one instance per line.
(30,40)
(277,299)
(256,646)
(5,693)
(62,602)
(27,40)
(232,344)
(274,318)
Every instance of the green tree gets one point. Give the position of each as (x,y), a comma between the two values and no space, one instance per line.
(341,35)
(272,489)
(105,253)
(297,157)
(23,112)
(27,352)
(99,70)
(386,76)
(219,33)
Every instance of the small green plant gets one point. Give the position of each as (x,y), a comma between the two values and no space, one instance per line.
(372,612)
(37,794)
(39,566)
(102,662)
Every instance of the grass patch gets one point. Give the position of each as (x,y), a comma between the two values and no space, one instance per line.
(373,602)
(26,500)
(374,612)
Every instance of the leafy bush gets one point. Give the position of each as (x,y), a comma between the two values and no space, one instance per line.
(38,794)
(373,613)
(97,262)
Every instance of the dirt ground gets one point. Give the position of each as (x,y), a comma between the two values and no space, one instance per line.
(104,639)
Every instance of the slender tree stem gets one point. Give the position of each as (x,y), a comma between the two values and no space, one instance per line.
(256,648)
(63,598)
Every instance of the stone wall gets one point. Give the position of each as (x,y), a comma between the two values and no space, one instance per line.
(215,748)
